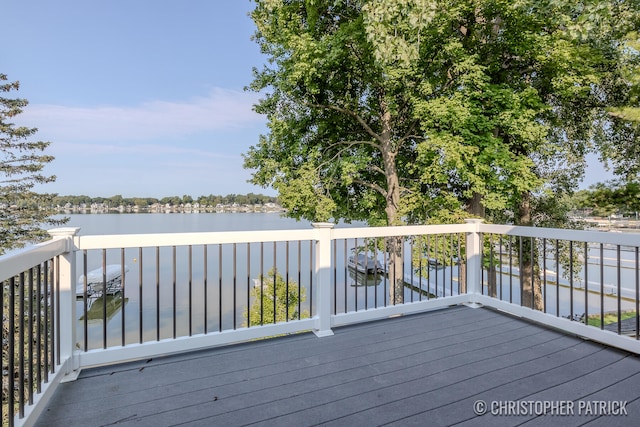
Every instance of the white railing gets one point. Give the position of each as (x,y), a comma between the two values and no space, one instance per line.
(181,292)
(37,316)
(584,275)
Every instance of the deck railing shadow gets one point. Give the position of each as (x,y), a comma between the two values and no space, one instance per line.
(80,301)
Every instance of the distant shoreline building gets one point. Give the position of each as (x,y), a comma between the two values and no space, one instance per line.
(104,208)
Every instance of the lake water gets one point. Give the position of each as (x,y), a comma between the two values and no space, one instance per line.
(181,223)
(150,290)
(171,295)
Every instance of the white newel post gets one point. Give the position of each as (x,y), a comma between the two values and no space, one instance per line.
(474,261)
(324,232)
(67,271)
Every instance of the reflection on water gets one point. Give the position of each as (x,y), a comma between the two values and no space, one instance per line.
(104,307)
(358,278)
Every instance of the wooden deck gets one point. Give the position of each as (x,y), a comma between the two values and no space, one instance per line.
(425,369)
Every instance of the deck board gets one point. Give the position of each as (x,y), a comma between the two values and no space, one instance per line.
(421,369)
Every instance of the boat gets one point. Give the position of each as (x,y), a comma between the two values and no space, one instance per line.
(364,264)
(95,281)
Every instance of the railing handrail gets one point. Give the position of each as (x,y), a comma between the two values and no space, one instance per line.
(113,241)
(15,263)
(404,230)
(624,239)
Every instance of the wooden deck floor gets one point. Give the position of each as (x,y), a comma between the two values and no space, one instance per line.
(425,369)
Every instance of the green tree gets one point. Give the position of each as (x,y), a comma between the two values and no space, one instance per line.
(621,137)
(272,294)
(23,211)
(630,111)
(413,111)
(611,197)
(340,131)
(143,202)
(206,200)
(173,200)
(115,201)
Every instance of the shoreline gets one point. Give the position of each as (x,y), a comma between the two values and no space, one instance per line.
(168,209)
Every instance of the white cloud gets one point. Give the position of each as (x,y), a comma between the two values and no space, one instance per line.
(221,109)
(152,150)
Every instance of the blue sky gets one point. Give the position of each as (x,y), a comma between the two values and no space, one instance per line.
(140,97)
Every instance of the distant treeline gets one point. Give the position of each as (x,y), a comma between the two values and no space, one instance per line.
(118,200)
(615,197)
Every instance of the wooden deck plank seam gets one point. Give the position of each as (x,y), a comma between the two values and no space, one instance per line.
(423,378)
(404,383)
(330,362)
(384,361)
(330,351)
(593,396)
(523,397)
(265,345)
(305,370)
(522,326)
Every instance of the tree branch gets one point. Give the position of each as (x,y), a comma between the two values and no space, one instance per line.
(373,186)
(375,168)
(352,143)
(354,115)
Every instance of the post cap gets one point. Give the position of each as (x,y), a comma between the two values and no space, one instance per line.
(474,220)
(64,231)
(322,224)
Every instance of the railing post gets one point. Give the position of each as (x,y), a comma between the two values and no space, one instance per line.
(323,278)
(474,261)
(67,313)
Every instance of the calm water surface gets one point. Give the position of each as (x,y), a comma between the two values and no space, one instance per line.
(180,223)
(149,285)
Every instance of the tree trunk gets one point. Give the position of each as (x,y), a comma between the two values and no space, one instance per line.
(395,267)
(462,277)
(476,207)
(492,279)
(530,283)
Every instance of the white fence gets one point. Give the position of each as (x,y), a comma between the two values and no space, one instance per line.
(80,301)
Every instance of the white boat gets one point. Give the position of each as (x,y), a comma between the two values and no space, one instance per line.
(364,264)
(95,280)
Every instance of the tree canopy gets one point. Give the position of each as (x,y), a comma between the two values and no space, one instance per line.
(23,211)
(275,300)
(242,199)
(418,111)
(413,111)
